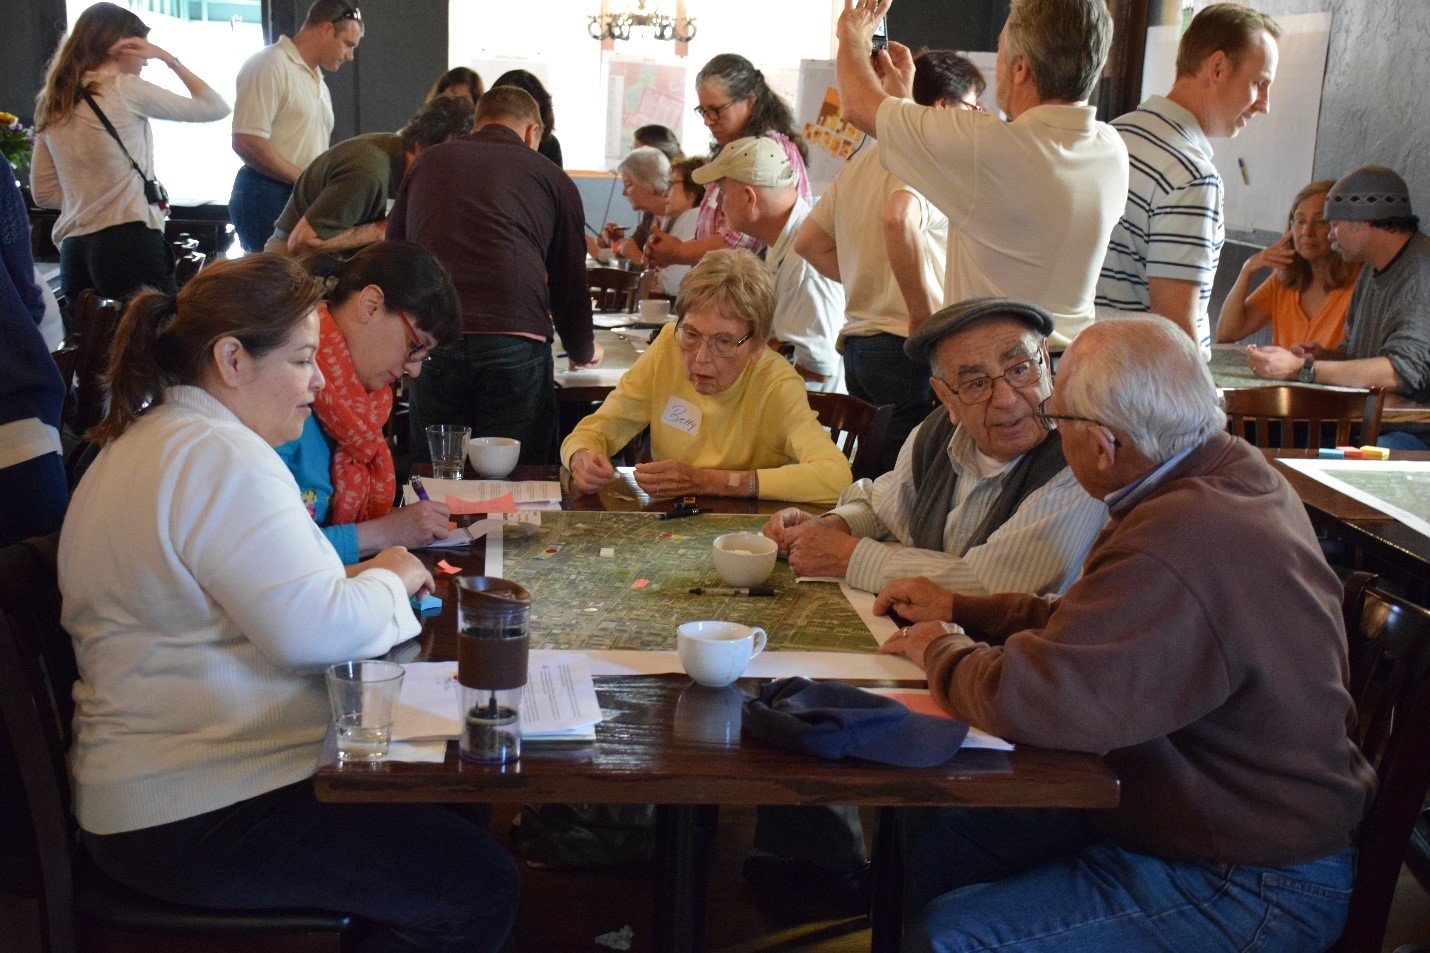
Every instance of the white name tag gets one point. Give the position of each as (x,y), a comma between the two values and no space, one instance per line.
(682,415)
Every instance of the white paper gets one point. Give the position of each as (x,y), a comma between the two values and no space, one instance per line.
(589,377)
(523,492)
(1324,471)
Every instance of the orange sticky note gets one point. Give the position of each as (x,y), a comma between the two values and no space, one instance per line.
(451,526)
(640,583)
(448,568)
(500,504)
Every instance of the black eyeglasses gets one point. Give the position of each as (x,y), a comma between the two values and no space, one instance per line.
(980,389)
(708,113)
(349,13)
(1050,420)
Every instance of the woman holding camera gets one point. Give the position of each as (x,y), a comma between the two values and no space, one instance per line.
(94,154)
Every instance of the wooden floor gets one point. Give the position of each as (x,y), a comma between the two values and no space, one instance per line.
(569,912)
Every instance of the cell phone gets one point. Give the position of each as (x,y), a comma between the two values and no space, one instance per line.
(881,37)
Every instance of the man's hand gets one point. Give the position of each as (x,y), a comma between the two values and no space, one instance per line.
(1273,363)
(598,353)
(302,237)
(817,550)
(662,249)
(663,478)
(895,67)
(1310,349)
(590,470)
(917,599)
(913,641)
(777,527)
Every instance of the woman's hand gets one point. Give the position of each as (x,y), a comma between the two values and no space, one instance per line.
(1279,255)
(590,470)
(415,577)
(138,46)
(671,478)
(662,249)
(917,599)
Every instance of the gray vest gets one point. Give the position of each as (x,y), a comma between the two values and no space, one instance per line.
(935,482)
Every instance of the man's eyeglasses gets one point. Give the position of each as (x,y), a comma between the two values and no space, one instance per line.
(1050,420)
(979,389)
(718,345)
(419,350)
(349,13)
(712,113)
(965,104)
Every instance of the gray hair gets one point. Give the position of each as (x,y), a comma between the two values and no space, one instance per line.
(648,167)
(1143,377)
(1065,42)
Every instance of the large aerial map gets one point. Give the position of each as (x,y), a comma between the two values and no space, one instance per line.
(1400,488)
(622,581)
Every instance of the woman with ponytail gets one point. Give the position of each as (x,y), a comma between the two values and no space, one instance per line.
(204,605)
(388,307)
(735,102)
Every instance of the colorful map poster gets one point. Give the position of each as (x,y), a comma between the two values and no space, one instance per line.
(641,94)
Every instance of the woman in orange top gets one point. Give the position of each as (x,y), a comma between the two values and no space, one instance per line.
(1305,299)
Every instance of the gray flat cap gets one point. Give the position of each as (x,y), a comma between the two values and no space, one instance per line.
(958,316)
(1371,193)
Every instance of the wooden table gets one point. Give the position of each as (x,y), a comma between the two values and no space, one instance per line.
(1230,371)
(668,742)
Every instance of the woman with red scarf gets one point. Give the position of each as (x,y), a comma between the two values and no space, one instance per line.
(388,306)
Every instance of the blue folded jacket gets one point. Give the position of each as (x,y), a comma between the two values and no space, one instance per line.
(834,720)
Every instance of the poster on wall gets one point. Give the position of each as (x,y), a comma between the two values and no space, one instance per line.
(641,93)
(830,139)
(1265,165)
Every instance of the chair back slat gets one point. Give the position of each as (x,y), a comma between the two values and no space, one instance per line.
(857,427)
(613,289)
(95,321)
(1302,417)
(1389,643)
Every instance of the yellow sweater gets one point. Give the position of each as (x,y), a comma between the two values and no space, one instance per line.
(762,422)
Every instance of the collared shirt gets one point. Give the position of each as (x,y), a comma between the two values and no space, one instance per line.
(1124,498)
(809,308)
(711,219)
(284,100)
(1039,549)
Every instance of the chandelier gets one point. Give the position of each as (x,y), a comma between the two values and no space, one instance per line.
(618,26)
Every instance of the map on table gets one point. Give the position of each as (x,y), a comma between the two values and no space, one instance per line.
(622,581)
(1399,488)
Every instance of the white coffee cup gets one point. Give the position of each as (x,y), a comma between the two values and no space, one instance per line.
(655,310)
(716,653)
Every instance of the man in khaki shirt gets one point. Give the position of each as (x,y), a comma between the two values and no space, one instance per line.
(283,115)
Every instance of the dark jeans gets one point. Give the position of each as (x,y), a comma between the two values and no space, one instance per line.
(255,205)
(500,385)
(33,498)
(116,262)
(429,878)
(876,370)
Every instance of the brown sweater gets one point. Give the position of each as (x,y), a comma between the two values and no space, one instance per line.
(1203,652)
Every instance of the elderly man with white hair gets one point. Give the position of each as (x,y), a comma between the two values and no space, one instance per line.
(1202,653)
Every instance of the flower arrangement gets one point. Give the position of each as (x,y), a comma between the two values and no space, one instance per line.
(17,141)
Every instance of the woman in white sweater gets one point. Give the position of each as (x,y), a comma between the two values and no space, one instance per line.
(110,231)
(204,604)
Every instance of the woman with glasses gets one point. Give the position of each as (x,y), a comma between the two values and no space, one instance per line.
(110,230)
(1306,297)
(683,196)
(735,102)
(727,415)
(388,306)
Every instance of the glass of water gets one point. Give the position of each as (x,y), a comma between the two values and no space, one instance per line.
(364,696)
(448,444)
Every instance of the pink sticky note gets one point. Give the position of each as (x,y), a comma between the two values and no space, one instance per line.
(500,504)
(640,583)
(448,568)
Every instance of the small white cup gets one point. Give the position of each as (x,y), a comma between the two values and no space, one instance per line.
(716,653)
(655,310)
(744,559)
(493,457)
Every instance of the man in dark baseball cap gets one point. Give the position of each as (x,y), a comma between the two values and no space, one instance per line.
(1388,322)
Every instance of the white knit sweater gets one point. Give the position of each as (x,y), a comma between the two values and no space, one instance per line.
(204,603)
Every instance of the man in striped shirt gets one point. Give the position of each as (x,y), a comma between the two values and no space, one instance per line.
(1163,253)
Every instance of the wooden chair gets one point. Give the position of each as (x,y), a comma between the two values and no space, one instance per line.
(67,359)
(189,260)
(1275,416)
(857,427)
(613,289)
(1389,641)
(81,908)
(95,320)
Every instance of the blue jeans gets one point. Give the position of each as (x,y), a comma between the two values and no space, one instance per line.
(876,370)
(500,385)
(427,877)
(255,205)
(1402,440)
(1100,897)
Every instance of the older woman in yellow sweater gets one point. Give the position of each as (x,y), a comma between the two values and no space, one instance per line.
(728,416)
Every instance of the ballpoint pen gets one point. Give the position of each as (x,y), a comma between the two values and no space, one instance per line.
(719,591)
(418,489)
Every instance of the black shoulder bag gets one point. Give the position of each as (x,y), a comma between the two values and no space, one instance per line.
(154,191)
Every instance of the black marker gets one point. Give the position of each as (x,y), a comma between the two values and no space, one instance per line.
(717,591)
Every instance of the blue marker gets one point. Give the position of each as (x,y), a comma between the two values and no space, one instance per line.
(417,488)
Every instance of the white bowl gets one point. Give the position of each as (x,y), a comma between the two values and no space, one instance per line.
(744,559)
(493,457)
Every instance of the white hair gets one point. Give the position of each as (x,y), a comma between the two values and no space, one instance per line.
(647,167)
(1145,378)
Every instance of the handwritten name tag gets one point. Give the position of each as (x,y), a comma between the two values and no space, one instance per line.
(682,415)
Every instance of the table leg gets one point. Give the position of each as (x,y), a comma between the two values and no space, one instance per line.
(886,913)
(682,851)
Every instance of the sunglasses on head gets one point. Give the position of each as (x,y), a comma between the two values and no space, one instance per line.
(349,13)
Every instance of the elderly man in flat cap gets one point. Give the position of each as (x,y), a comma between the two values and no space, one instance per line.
(980,498)
(1388,323)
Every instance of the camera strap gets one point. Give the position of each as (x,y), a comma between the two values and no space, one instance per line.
(89,98)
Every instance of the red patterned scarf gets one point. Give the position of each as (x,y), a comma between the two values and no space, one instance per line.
(364,482)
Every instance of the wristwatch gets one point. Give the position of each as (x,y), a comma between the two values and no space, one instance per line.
(1307,374)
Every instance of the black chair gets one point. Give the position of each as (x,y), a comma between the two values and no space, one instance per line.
(95,321)
(81,909)
(857,427)
(1389,641)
